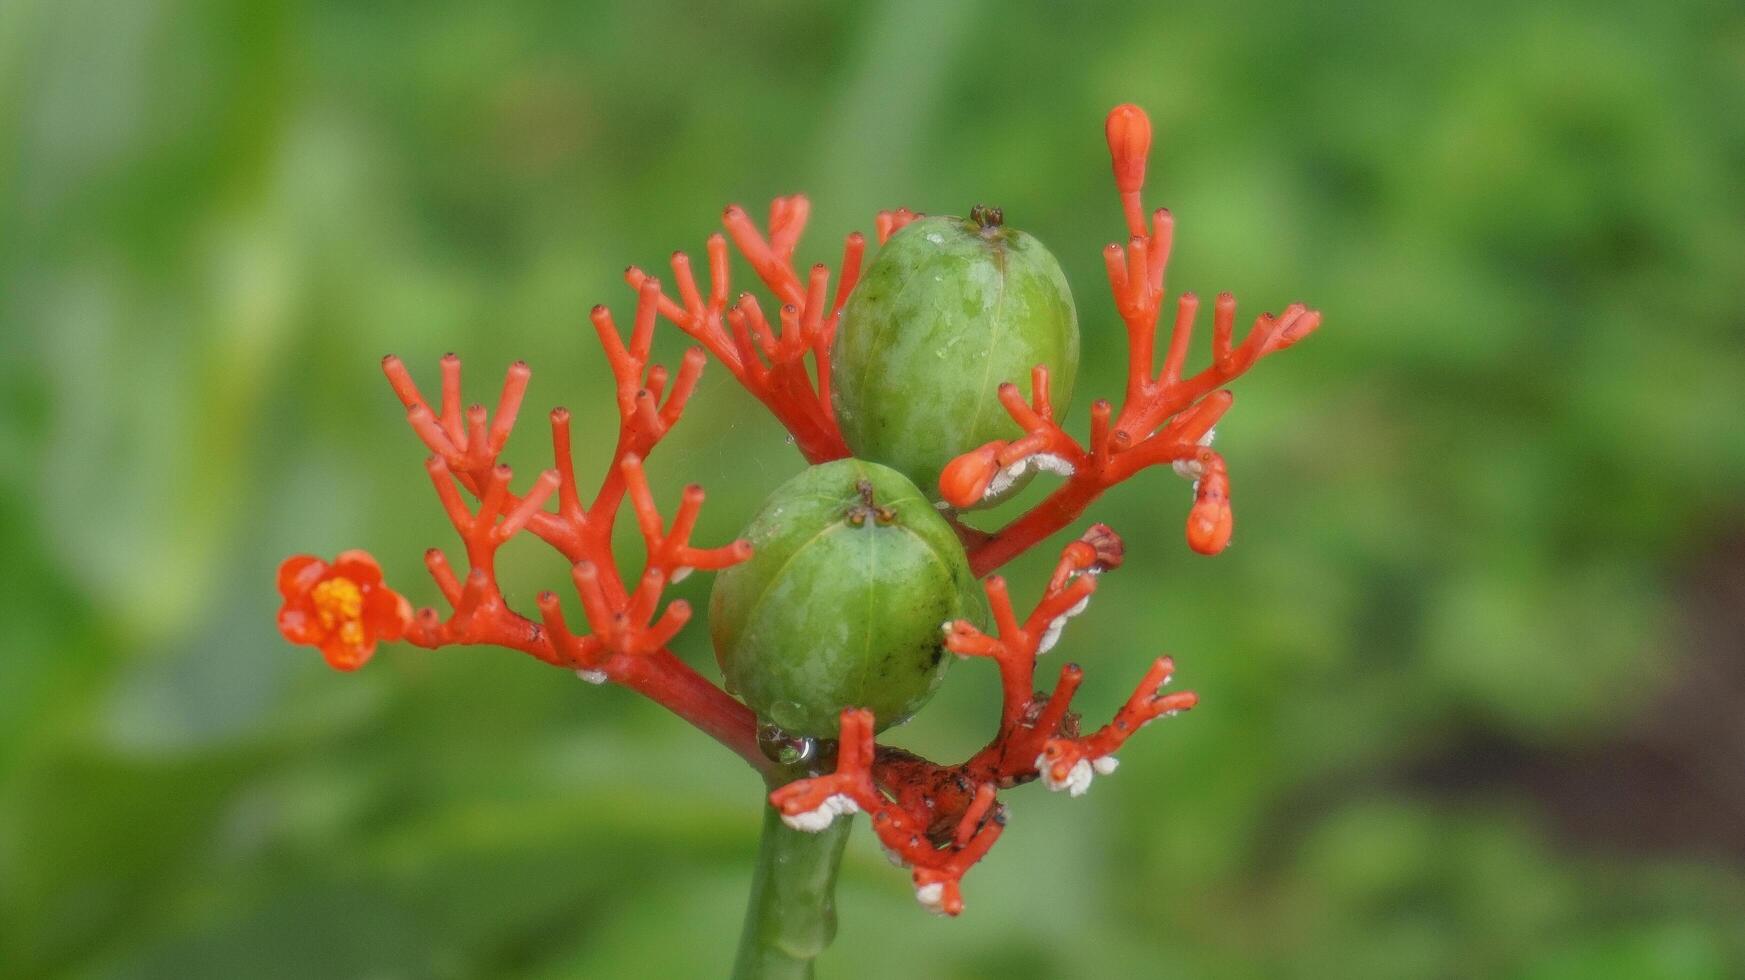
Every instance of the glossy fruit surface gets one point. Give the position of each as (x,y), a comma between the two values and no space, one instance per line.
(949,309)
(852,577)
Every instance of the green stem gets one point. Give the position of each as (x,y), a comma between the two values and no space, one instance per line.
(792,915)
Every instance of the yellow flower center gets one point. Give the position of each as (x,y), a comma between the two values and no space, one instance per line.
(339,604)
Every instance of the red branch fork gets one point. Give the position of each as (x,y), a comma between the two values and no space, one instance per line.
(1164,417)
(770,361)
(626,642)
(940,820)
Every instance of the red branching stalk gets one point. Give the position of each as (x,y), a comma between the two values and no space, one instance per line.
(940,820)
(627,640)
(1164,417)
(770,360)
(905,832)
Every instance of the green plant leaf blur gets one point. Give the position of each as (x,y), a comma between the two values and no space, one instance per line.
(1471,675)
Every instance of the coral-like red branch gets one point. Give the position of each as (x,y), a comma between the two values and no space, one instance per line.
(627,630)
(810,804)
(769,358)
(1164,416)
(940,820)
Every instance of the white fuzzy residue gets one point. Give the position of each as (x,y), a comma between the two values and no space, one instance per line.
(932,897)
(1051,635)
(1077,781)
(1190,469)
(812,821)
(1045,462)
(1050,463)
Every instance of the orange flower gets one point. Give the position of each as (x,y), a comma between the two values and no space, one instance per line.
(343,608)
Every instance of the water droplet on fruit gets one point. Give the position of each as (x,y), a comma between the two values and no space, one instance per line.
(780,746)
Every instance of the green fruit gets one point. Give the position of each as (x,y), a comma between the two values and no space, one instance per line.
(949,310)
(853,575)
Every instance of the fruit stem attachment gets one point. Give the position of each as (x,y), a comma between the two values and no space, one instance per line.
(868,506)
(791,917)
(986,218)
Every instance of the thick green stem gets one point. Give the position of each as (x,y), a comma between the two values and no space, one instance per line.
(792,915)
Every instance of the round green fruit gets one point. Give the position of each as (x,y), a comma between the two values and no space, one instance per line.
(949,310)
(853,575)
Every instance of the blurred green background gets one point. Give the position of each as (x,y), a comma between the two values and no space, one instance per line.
(1472,674)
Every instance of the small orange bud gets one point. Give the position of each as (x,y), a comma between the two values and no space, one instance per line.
(966,478)
(1209,525)
(1129,133)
